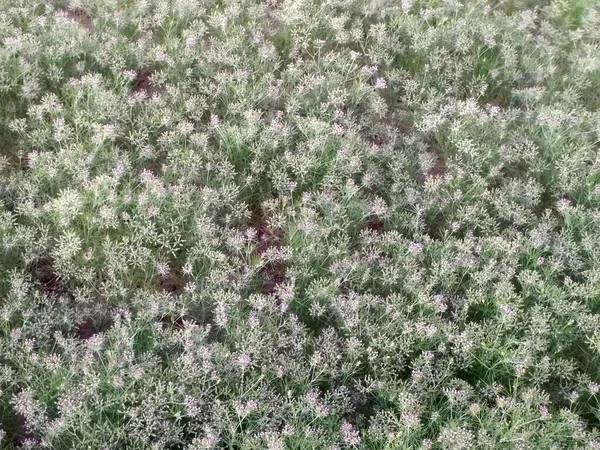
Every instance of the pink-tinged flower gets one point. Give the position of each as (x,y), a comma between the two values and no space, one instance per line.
(95,342)
(129,73)
(508,310)
(153,210)
(369,70)
(380,83)
(32,158)
(288,430)
(243,409)
(210,439)
(415,248)
(251,405)
(243,360)
(191,406)
(253,319)
(350,436)
(410,419)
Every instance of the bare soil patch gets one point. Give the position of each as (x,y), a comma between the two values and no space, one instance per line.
(81,17)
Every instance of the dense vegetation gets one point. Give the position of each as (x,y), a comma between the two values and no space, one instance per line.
(300,224)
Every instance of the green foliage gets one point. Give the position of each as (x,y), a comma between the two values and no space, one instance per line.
(299,224)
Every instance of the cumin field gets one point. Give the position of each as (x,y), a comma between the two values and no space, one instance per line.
(300,224)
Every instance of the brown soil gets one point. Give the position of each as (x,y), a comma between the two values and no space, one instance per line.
(86,329)
(175,281)
(55,287)
(82,18)
(440,167)
(274,272)
(373,223)
(45,276)
(20,432)
(177,323)
(143,83)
